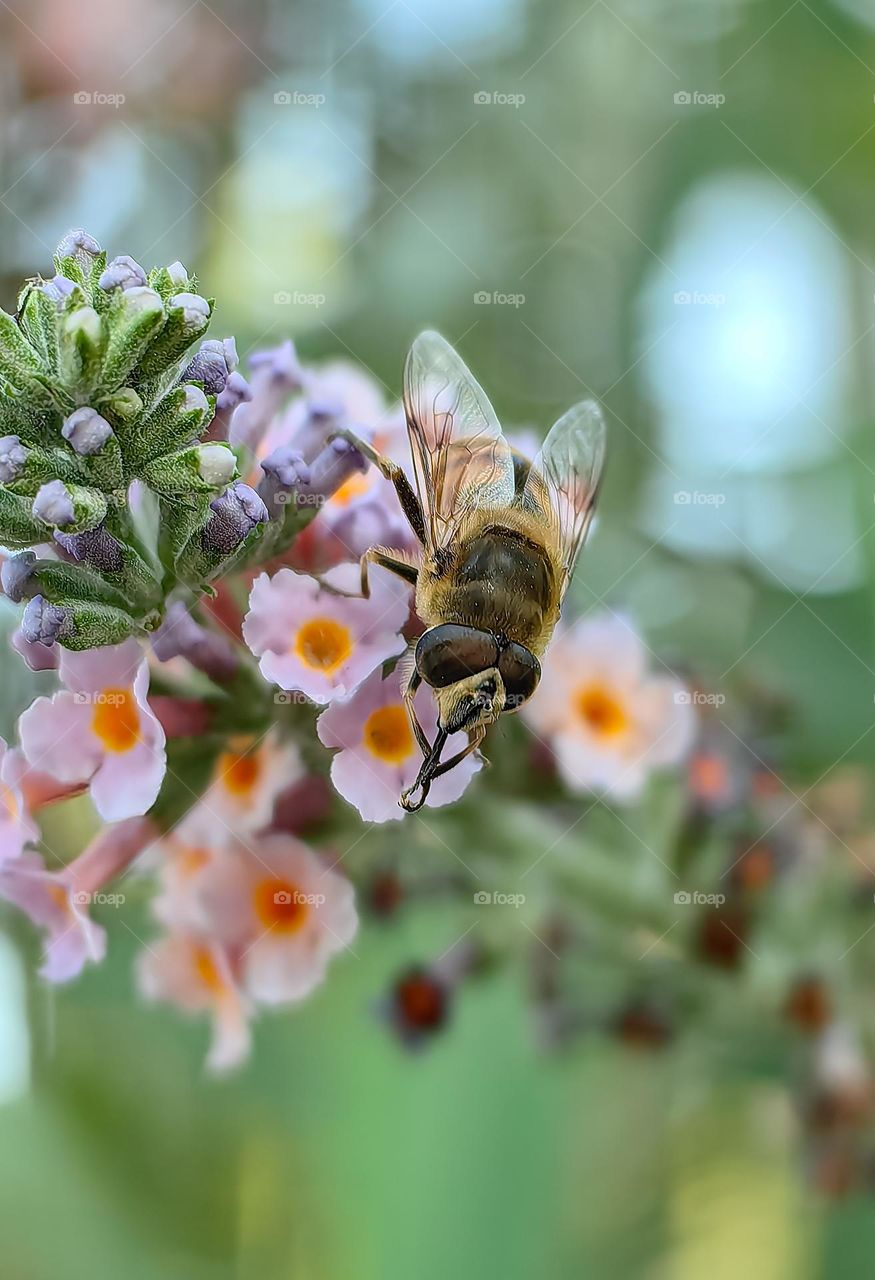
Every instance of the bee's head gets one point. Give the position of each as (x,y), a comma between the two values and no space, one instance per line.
(473,703)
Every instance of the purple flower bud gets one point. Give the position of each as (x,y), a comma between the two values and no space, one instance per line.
(332,467)
(53,504)
(236,391)
(212,365)
(44,623)
(236,512)
(312,423)
(95,547)
(13,456)
(58,288)
(276,372)
(368,524)
(284,470)
(37,656)
(180,636)
(86,431)
(122,273)
(177,273)
(77,242)
(15,574)
(280,364)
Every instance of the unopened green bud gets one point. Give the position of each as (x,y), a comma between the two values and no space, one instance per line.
(135,317)
(24,576)
(18,360)
(178,420)
(70,507)
(188,317)
(124,405)
(201,470)
(17,525)
(77,624)
(25,468)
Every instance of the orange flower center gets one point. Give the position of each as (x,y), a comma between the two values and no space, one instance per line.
(207,970)
(354,487)
(8,802)
(193,860)
(323,644)
(280,905)
(239,771)
(603,712)
(387,734)
(116,720)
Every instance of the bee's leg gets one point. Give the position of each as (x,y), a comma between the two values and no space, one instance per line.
(474,740)
(427,776)
(386,560)
(410,504)
(424,744)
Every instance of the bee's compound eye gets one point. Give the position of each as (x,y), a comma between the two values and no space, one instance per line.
(520,670)
(450,653)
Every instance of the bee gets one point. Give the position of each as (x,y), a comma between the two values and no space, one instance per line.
(500,537)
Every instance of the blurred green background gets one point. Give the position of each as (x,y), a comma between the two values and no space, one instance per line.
(666,203)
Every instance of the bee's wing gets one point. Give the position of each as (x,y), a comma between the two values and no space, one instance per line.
(564,479)
(460,457)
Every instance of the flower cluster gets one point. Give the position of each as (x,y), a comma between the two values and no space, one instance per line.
(184,542)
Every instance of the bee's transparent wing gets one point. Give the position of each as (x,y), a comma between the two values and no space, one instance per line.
(460,457)
(564,480)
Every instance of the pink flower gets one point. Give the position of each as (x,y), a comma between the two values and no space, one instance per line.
(247,778)
(181,861)
(16,826)
(322,644)
(100,730)
(195,974)
(281,913)
(53,903)
(609,721)
(378,755)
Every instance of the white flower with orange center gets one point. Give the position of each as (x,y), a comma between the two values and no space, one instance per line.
(378,756)
(100,730)
(16,826)
(281,912)
(310,639)
(247,777)
(195,974)
(179,861)
(48,898)
(609,721)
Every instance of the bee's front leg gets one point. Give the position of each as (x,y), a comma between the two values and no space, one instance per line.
(422,740)
(410,503)
(387,560)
